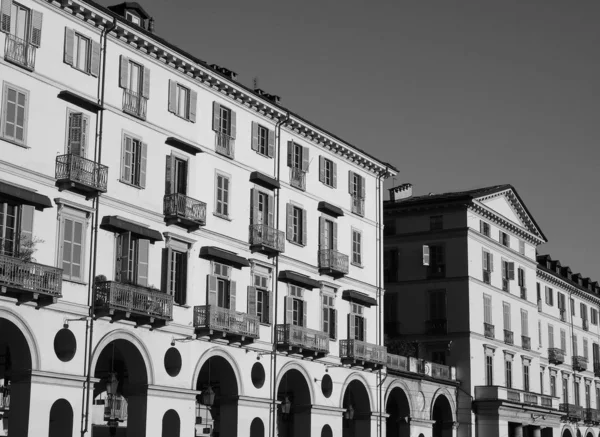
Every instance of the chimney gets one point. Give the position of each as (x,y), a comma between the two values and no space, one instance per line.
(270,97)
(151,25)
(225,71)
(400,192)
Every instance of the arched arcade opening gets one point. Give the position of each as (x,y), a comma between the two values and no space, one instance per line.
(293,414)
(357,414)
(442,416)
(398,409)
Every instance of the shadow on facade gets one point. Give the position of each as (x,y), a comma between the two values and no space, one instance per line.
(293,416)
(398,408)
(356,401)
(442,415)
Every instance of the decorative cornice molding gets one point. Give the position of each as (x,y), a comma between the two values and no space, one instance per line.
(560,282)
(500,220)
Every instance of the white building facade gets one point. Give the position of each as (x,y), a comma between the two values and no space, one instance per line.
(478,300)
(182,255)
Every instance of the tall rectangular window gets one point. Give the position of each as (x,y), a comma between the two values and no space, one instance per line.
(357,327)
(585,348)
(327,172)
(488,266)
(552,385)
(508,372)
(522,247)
(551,336)
(295,307)
(72,228)
(357,190)
(298,224)
(437,305)
(222,291)
(177,274)
(329,315)
(132,257)
(14,114)
(262,285)
(576,393)
(356,247)
(489,369)
(436,261)
(133,162)
(508,273)
(506,315)
(487,309)
(222,195)
(563,341)
(521,282)
(484,228)
(524,323)
(542,380)
(588,401)
(504,239)
(549,296)
(262,140)
(526,375)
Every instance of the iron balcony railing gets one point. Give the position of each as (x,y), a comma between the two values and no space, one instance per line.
(135,104)
(526,342)
(571,411)
(74,168)
(546,401)
(508,337)
(301,337)
(441,371)
(488,330)
(363,351)
(580,363)
(263,235)
(115,408)
(225,145)
(135,299)
(19,52)
(358,205)
(180,206)
(4,398)
(585,324)
(298,178)
(225,320)
(333,260)
(556,355)
(539,305)
(397,362)
(437,326)
(30,276)
(592,415)
(513,395)
(497,393)
(530,398)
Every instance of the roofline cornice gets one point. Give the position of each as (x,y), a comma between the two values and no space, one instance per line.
(558,281)
(198,71)
(504,222)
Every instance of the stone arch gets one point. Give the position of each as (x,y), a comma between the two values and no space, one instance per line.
(122,334)
(397,383)
(567,431)
(356,376)
(297,366)
(442,391)
(222,353)
(14,318)
(589,432)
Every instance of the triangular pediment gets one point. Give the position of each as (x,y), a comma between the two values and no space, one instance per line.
(503,206)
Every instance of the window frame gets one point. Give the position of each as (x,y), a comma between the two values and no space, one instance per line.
(75,215)
(485,228)
(137,145)
(132,18)
(262,140)
(265,315)
(436,222)
(5,89)
(88,54)
(359,244)
(84,144)
(217,202)
(328,305)
(188,96)
(298,228)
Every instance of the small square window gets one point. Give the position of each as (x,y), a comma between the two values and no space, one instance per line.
(504,239)
(484,228)
(436,222)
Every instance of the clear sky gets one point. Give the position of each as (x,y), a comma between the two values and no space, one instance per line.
(456,94)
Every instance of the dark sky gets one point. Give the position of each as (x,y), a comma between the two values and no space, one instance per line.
(456,94)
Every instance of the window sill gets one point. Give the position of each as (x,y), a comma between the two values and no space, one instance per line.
(360,266)
(183,118)
(221,216)
(181,305)
(265,324)
(74,281)
(263,155)
(296,244)
(328,186)
(16,143)
(131,185)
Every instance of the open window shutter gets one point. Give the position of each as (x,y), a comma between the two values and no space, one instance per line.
(211,286)
(351,326)
(321,169)
(95,60)
(268,309)
(126,159)
(271,143)
(5,15)
(123,71)
(233,129)
(350,182)
(26,225)
(146,83)
(253,206)
(165,283)
(321,233)
(75,129)
(85,125)
(169,175)
(143,159)
(69,46)
(290,153)
(334,314)
(232,295)
(289,221)
(36,28)
(480,226)
(270,210)
(511,271)
(304,228)
(193,105)
(305,160)
(325,318)
(547,295)
(364,329)
(425,255)
(252,301)
(216,116)
(491,262)
(289,310)
(504,272)
(334,178)
(142,267)
(124,261)
(172,96)
(363,189)
(304,314)
(335,236)
(484,260)
(254,143)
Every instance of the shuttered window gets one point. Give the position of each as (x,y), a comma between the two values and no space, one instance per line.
(295,307)
(575,346)
(262,211)
(327,172)
(484,228)
(16,229)
(357,326)
(585,348)
(506,315)
(260,298)
(296,224)
(563,340)
(21,23)
(133,161)
(222,195)
(81,52)
(221,290)
(15,113)
(72,254)
(487,309)
(356,247)
(263,140)
(132,259)
(550,336)
(77,133)
(183,101)
(329,315)
(174,271)
(524,323)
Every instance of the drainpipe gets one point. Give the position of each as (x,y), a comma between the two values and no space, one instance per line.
(382,174)
(94,250)
(277,170)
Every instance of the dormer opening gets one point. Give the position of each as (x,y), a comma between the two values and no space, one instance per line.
(135,14)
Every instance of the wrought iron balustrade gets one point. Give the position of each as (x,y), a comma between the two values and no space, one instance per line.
(18,274)
(225,145)
(298,178)
(112,296)
(19,51)
(295,336)
(184,210)
(333,261)
(268,237)
(74,169)
(358,205)
(225,320)
(556,355)
(526,342)
(135,104)
(362,351)
(489,330)
(508,337)
(580,363)
(571,411)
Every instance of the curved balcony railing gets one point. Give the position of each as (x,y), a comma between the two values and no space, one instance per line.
(225,320)
(556,355)
(18,274)
(580,363)
(225,145)
(19,52)
(300,337)
(135,104)
(133,299)
(298,178)
(267,236)
(76,169)
(571,412)
(358,205)
(363,351)
(333,261)
(184,209)
(489,330)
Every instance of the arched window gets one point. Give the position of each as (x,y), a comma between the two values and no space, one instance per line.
(61,419)
(171,424)
(257,428)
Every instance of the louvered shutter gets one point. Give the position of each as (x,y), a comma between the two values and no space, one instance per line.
(511,271)
(524,323)
(351,182)
(550,336)
(321,169)
(69,46)
(253,206)
(335,236)
(362,189)
(504,269)
(304,314)
(271,144)
(26,226)
(85,125)
(335,323)
(143,160)
(305,160)
(182,294)
(506,314)
(268,310)
(289,208)
(172,107)
(211,289)
(146,83)
(124,256)
(252,301)
(485,260)
(193,105)
(364,329)
(270,211)
(123,71)
(95,60)
(5,11)
(325,316)
(36,28)
(254,143)
(165,283)
(233,129)
(491,262)
(75,133)
(142,267)
(289,310)
(322,233)
(290,153)
(425,255)
(232,295)
(170,175)
(216,116)
(334,175)
(304,228)
(351,327)
(487,309)
(126,159)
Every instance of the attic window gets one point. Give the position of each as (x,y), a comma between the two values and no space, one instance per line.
(133,18)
